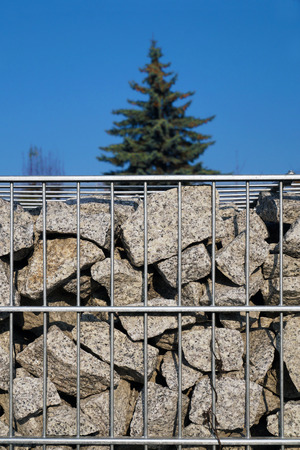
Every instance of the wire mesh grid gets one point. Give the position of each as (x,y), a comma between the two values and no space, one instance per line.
(210,433)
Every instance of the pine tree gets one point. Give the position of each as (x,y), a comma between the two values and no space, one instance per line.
(157,137)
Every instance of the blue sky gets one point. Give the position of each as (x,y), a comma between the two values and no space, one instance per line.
(66,64)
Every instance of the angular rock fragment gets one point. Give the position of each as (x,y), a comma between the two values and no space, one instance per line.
(163,224)
(128,282)
(262,348)
(290,290)
(162,412)
(4,369)
(5,289)
(237,320)
(291,420)
(290,267)
(291,240)
(231,259)
(62,370)
(28,396)
(170,370)
(228,294)
(128,355)
(97,409)
(191,293)
(61,265)
(157,322)
(230,404)
(229,347)
(23,230)
(87,286)
(268,207)
(195,264)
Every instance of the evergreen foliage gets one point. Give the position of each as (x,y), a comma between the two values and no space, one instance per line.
(157,137)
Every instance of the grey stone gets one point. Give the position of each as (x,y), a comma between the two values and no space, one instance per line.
(262,348)
(290,289)
(291,240)
(237,320)
(163,224)
(23,230)
(5,289)
(290,267)
(291,345)
(170,371)
(87,286)
(228,294)
(195,264)
(61,265)
(62,369)
(231,259)
(128,282)
(291,420)
(269,403)
(4,369)
(229,347)
(28,396)
(97,409)
(268,207)
(230,404)
(157,323)
(162,412)
(128,355)
(191,293)
(196,431)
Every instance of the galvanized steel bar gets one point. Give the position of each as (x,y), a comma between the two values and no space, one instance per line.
(145,415)
(281,341)
(45,313)
(78,315)
(247,274)
(213,317)
(11,316)
(179,277)
(112,316)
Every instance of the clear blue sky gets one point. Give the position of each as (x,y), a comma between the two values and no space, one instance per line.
(66,64)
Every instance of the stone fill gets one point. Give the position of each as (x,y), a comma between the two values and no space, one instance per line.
(290,267)
(170,370)
(291,420)
(291,240)
(290,291)
(268,207)
(291,346)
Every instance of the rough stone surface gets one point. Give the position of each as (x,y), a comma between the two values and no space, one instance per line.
(23,230)
(191,293)
(196,345)
(291,240)
(28,396)
(169,369)
(290,268)
(157,323)
(291,346)
(262,348)
(96,408)
(162,412)
(61,265)
(291,420)
(290,288)
(237,320)
(5,289)
(128,282)
(230,404)
(231,259)
(61,358)
(87,286)
(228,294)
(236,224)
(4,369)
(163,224)
(128,355)
(195,264)
(268,207)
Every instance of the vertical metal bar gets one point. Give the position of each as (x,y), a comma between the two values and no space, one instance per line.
(11,317)
(112,256)
(44,314)
(281,362)
(179,314)
(213,318)
(247,272)
(78,316)
(145,315)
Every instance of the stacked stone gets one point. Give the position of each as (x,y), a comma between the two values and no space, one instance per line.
(162,329)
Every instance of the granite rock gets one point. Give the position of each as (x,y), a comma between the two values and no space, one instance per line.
(230,260)
(291,240)
(62,371)
(128,282)
(290,289)
(262,348)
(163,224)
(157,322)
(268,207)
(237,320)
(291,420)
(4,369)
(128,355)
(196,345)
(61,265)
(87,286)
(170,371)
(291,345)
(195,264)
(23,230)
(230,404)
(290,267)
(162,412)
(28,396)
(236,224)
